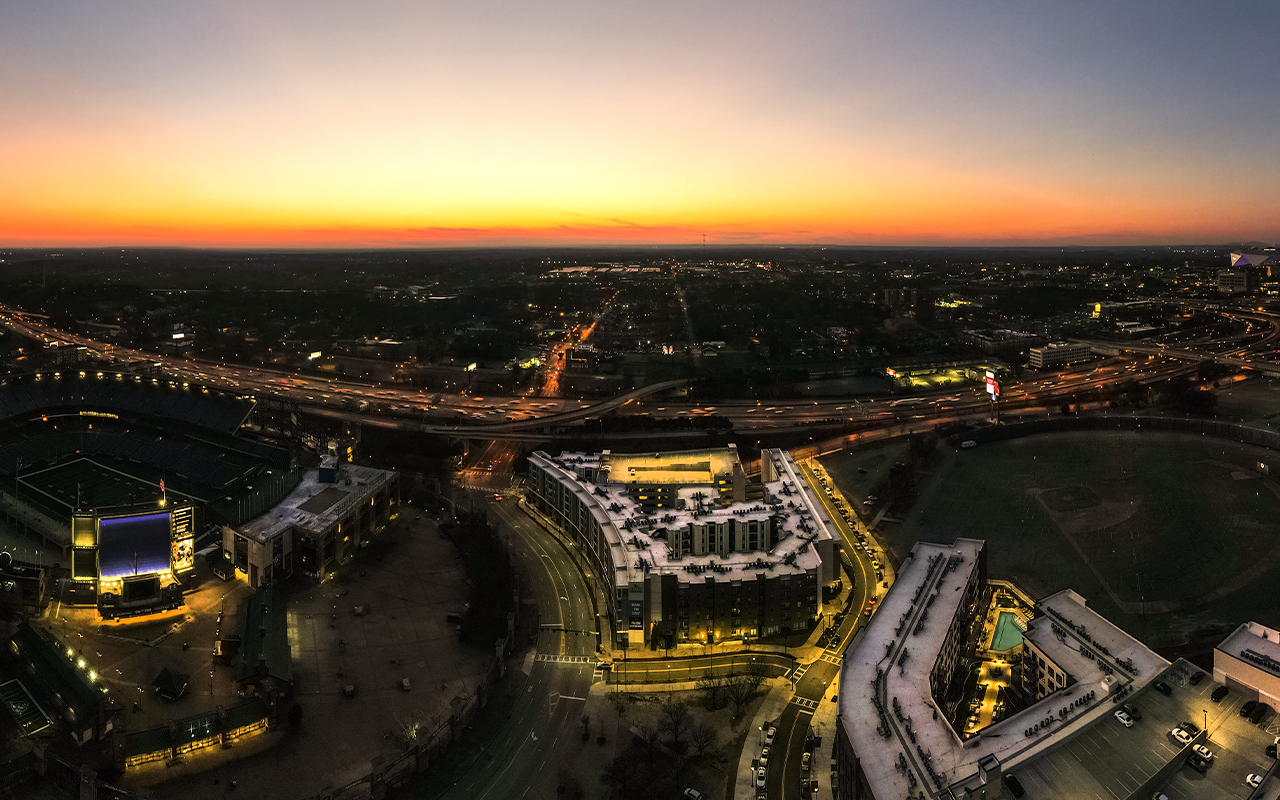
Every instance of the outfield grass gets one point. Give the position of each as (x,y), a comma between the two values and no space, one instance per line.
(99,486)
(1165,534)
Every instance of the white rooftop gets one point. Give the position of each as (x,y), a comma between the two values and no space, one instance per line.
(1086,645)
(314,506)
(913,619)
(638,536)
(1256,644)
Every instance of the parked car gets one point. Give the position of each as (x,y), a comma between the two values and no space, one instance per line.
(769,734)
(1197,763)
(1190,727)
(693,794)
(1218,694)
(1132,710)
(1196,678)
(1203,752)
(1247,708)
(1181,736)
(1253,780)
(760,777)
(1162,688)
(804,761)
(1014,784)
(1125,719)
(1260,712)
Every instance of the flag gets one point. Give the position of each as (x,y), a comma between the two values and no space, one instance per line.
(162,484)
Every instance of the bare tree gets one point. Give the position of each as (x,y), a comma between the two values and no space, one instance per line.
(624,776)
(676,721)
(702,737)
(649,741)
(741,688)
(712,689)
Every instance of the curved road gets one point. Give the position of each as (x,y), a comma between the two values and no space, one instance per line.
(543,730)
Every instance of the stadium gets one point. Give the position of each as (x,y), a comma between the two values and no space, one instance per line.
(129,477)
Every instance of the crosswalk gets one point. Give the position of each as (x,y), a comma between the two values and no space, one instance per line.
(798,673)
(565,659)
(830,657)
(805,703)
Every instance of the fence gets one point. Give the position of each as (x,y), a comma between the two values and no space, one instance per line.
(1202,427)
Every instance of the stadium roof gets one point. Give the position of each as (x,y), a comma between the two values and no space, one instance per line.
(1251,259)
(56,675)
(121,393)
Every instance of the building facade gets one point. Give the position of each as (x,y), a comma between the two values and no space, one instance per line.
(1248,662)
(1059,354)
(894,738)
(317,528)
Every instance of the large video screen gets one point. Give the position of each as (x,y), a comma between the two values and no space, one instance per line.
(133,545)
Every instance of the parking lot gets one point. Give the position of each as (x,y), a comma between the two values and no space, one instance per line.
(1109,761)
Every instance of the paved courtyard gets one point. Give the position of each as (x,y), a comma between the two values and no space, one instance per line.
(405,588)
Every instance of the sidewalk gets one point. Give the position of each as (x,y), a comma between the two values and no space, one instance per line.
(780,693)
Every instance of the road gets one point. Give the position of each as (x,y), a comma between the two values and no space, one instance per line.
(811,680)
(679,670)
(524,418)
(543,731)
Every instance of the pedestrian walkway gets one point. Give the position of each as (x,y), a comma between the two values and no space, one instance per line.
(780,694)
(556,659)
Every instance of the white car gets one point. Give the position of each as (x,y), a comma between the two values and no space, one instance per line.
(1182,736)
(1203,752)
(1253,780)
(1125,719)
(693,794)
(760,778)
(768,734)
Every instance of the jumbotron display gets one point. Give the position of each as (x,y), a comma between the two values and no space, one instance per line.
(130,546)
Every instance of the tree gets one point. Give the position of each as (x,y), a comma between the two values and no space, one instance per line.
(623,775)
(676,722)
(712,688)
(702,738)
(648,741)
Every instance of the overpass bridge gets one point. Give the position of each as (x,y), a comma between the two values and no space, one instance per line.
(1234,359)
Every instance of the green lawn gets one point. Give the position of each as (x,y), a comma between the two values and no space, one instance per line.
(1163,533)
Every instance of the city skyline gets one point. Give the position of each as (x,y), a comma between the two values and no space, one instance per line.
(398,125)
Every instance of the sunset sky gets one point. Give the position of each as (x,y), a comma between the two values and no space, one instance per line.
(322,124)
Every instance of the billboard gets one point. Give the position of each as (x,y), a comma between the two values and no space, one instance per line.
(135,545)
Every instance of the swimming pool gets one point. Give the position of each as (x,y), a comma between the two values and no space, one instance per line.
(1008,634)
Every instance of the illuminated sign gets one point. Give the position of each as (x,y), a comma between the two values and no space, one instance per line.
(179,336)
(313,356)
(182,542)
(993,387)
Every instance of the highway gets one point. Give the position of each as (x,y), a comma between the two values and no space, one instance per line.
(530,418)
